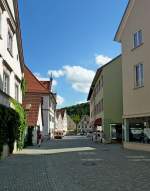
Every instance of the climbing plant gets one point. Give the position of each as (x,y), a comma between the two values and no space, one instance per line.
(23,124)
(23,86)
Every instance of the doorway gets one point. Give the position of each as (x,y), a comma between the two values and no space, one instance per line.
(116,133)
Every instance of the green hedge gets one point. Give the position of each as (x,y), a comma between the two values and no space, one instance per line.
(9,125)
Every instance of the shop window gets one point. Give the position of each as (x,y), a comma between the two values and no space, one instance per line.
(139,133)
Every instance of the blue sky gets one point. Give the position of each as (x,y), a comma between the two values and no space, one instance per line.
(71,38)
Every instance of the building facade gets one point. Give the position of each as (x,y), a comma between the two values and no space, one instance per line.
(84,125)
(32,104)
(41,90)
(105,98)
(71,126)
(49,112)
(133,34)
(11,53)
(64,122)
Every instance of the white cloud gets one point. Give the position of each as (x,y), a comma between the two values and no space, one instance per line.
(54,83)
(81,87)
(101,59)
(60,100)
(41,78)
(56,73)
(79,77)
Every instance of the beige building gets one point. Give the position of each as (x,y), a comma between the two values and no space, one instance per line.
(133,34)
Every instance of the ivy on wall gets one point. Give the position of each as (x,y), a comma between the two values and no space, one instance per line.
(23,86)
(23,124)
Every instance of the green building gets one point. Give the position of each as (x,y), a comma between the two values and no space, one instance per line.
(105,98)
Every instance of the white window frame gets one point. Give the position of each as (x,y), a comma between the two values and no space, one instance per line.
(6,83)
(137,38)
(16,91)
(10,40)
(139,75)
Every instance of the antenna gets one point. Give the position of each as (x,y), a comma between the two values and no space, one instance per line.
(51,77)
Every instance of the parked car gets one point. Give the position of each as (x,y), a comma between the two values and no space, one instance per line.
(58,134)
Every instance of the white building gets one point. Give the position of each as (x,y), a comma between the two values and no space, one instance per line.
(40,89)
(64,122)
(48,110)
(11,53)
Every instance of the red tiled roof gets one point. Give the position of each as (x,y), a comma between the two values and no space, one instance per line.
(47,84)
(33,112)
(33,84)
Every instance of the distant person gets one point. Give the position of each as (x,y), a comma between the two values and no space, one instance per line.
(49,136)
(39,138)
(101,136)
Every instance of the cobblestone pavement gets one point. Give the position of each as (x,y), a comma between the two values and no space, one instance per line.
(76,164)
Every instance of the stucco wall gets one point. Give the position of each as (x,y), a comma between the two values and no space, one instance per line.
(39,122)
(45,110)
(113,101)
(136,101)
(95,99)
(48,110)
(113,91)
(12,61)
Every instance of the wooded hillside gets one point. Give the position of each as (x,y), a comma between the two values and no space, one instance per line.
(77,111)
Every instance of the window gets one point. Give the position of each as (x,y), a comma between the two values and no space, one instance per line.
(138,39)
(139,75)
(17,92)
(10,41)
(0,22)
(50,118)
(6,83)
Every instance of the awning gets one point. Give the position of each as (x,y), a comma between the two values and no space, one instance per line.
(98,122)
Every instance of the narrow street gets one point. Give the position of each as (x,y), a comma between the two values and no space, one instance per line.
(75,164)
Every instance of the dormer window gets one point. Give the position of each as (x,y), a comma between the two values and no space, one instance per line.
(138,38)
(10,41)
